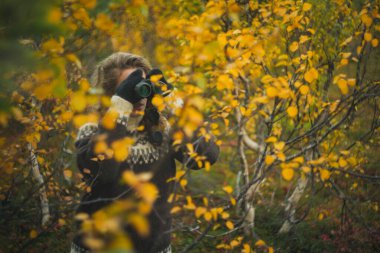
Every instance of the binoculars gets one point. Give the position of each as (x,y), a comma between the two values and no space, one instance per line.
(144,89)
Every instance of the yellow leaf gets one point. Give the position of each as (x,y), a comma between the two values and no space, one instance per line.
(266,79)
(158,101)
(269,159)
(54,16)
(230,225)
(130,178)
(304,89)
(306,169)
(234,243)
(311,75)
(304,38)
(344,62)
(228,189)
(292,111)
(367,20)
(93,243)
(367,36)
(175,209)
(258,50)
(225,215)
(259,243)
(43,91)
(342,84)
(199,211)
(81,216)
(207,216)
(271,139)
(90,4)
(233,201)
(53,46)
(271,92)
(281,156)
(306,6)
(78,101)
(324,174)
(82,15)
(33,234)
(287,174)
(121,149)
(294,46)
(68,173)
(61,222)
(246,248)
(100,147)
(183,182)
(148,192)
(342,162)
(279,145)
(74,58)
(375,42)
(224,82)
(140,223)
(299,159)
(103,22)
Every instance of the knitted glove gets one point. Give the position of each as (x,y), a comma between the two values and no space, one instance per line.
(160,83)
(126,89)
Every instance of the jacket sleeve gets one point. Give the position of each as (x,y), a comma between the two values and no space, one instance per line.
(204,151)
(102,170)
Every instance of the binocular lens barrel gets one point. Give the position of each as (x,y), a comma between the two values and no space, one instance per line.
(143,89)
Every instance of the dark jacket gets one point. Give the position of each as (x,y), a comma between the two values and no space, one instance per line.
(104,176)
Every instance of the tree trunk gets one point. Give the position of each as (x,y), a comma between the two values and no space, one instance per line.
(42,190)
(291,204)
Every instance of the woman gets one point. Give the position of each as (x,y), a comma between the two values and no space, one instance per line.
(118,75)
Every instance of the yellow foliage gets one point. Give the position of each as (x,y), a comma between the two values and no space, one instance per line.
(304,89)
(367,20)
(342,84)
(294,46)
(287,174)
(104,23)
(199,211)
(375,42)
(224,82)
(140,223)
(260,243)
(33,234)
(269,159)
(230,225)
(324,174)
(246,248)
(175,209)
(271,92)
(207,216)
(53,46)
(78,101)
(306,6)
(292,111)
(228,189)
(90,4)
(311,75)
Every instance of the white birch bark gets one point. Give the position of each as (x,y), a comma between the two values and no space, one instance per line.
(42,190)
(291,204)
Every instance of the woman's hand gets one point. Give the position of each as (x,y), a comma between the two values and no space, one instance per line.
(158,84)
(126,89)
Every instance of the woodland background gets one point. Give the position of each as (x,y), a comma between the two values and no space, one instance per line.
(289,88)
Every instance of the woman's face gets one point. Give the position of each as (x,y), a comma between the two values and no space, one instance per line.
(139,107)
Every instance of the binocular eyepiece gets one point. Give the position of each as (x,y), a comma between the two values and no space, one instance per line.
(144,89)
